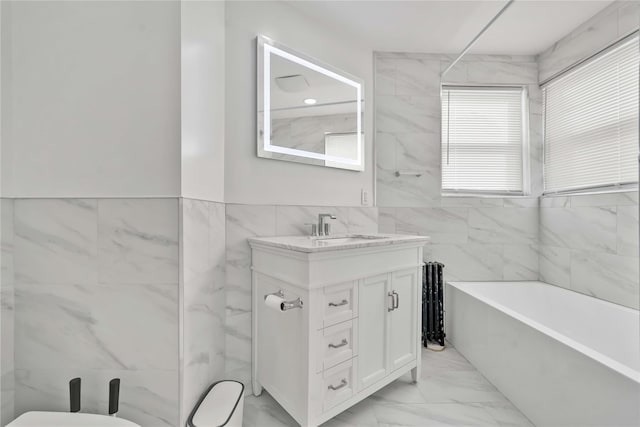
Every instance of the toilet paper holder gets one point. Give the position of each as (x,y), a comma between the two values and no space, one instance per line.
(286,305)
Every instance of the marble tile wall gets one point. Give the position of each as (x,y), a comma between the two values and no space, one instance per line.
(7,378)
(202,253)
(476,238)
(615,21)
(589,244)
(243,221)
(97,296)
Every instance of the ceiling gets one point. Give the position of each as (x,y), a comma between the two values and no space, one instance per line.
(528,27)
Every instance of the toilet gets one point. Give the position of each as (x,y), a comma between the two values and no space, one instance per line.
(221,405)
(68,419)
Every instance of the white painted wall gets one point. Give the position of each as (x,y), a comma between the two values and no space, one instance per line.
(203,109)
(92,99)
(253,180)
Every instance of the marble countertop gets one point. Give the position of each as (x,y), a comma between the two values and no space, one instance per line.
(310,244)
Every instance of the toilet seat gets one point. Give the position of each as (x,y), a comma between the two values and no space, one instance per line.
(68,419)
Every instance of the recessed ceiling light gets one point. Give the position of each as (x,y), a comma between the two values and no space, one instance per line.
(310,101)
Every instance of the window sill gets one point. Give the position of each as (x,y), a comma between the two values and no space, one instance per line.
(629,189)
(486,196)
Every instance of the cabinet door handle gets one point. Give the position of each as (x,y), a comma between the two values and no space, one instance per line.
(393,302)
(342,344)
(338,304)
(396,299)
(343,383)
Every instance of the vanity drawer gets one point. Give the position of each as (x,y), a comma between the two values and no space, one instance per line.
(339,303)
(338,344)
(338,384)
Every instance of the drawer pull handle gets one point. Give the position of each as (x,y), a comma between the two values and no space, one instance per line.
(343,383)
(342,344)
(338,304)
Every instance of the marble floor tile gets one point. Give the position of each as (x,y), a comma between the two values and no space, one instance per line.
(398,392)
(359,415)
(447,360)
(460,396)
(264,411)
(458,387)
(441,414)
(507,415)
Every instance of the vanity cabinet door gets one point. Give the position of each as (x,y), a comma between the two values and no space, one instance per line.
(373,329)
(403,339)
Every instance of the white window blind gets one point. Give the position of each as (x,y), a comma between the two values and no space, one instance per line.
(482,139)
(591,122)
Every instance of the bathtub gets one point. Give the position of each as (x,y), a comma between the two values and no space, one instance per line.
(563,358)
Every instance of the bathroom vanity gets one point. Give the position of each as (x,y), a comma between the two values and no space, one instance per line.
(335,319)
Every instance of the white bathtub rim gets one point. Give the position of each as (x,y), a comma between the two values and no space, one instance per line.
(563,339)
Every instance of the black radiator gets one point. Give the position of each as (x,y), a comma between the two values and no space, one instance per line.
(433,303)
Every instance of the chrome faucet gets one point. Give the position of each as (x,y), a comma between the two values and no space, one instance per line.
(324,228)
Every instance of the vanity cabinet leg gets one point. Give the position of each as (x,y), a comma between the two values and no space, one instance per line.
(257,388)
(414,375)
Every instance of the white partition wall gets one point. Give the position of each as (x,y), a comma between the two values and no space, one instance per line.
(101,139)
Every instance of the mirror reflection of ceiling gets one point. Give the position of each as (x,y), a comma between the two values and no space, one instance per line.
(528,27)
(292,84)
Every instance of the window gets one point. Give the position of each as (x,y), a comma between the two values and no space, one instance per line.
(591,122)
(483,140)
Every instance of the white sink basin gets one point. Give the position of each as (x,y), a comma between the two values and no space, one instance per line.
(68,419)
(309,244)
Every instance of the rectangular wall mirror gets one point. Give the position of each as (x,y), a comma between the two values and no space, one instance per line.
(307,111)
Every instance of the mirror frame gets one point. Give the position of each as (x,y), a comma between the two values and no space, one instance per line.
(265,48)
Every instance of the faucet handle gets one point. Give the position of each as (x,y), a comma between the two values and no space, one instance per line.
(314,228)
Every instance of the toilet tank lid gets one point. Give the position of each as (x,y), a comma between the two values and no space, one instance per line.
(217,404)
(68,419)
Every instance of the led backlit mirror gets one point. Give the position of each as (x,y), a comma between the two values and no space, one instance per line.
(308,111)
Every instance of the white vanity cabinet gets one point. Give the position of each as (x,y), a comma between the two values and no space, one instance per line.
(389,325)
(355,329)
